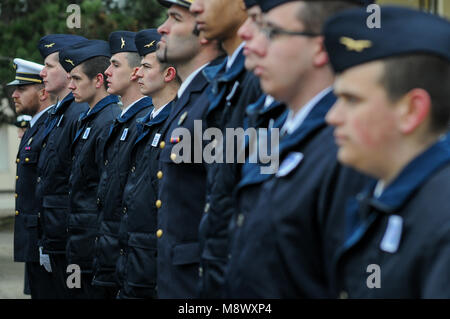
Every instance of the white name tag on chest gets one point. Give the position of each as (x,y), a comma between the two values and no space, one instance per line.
(393,234)
(124,134)
(156,139)
(289,163)
(86,133)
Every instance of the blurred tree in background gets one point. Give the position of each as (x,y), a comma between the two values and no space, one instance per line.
(24,22)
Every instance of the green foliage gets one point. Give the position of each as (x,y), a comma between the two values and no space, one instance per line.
(24,22)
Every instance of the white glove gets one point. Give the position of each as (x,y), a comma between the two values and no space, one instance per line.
(44,260)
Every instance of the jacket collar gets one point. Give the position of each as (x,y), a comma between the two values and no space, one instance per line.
(145,123)
(315,120)
(134,109)
(60,107)
(217,74)
(410,178)
(110,99)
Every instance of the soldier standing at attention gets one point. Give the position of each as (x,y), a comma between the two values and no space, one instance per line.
(122,80)
(86,63)
(54,164)
(136,267)
(30,98)
(182,190)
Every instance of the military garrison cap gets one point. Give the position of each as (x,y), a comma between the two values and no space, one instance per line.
(183,3)
(122,41)
(55,42)
(73,55)
(403,31)
(146,41)
(27,72)
(250,3)
(267,5)
(23,121)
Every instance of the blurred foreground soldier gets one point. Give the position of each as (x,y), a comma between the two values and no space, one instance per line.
(86,62)
(55,160)
(30,98)
(232,88)
(265,111)
(136,267)
(391,122)
(122,80)
(277,236)
(183,182)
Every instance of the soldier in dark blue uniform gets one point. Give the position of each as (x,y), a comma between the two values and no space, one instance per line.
(183,184)
(232,89)
(30,98)
(277,235)
(123,81)
(136,265)
(55,160)
(391,122)
(86,62)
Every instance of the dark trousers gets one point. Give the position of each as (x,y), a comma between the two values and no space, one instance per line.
(59,272)
(41,283)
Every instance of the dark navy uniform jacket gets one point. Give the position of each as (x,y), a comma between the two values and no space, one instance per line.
(230,92)
(27,207)
(181,200)
(87,150)
(405,233)
(114,171)
(136,266)
(276,238)
(52,190)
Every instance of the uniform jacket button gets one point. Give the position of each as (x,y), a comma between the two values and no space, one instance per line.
(159,175)
(173,156)
(162,144)
(16,195)
(158,203)
(17,160)
(17,213)
(159,233)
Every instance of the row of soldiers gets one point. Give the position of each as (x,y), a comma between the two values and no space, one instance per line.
(358,206)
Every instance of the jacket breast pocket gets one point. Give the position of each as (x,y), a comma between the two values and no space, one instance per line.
(185,254)
(55,212)
(29,158)
(141,265)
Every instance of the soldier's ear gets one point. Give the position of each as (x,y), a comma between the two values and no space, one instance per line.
(99,80)
(43,94)
(134,77)
(414,108)
(320,55)
(170,74)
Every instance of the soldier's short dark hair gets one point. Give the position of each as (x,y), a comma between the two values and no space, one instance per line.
(316,12)
(96,65)
(428,72)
